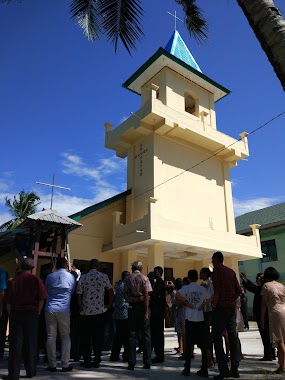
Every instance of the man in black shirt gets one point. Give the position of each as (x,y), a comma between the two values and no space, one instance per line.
(269,353)
(157,310)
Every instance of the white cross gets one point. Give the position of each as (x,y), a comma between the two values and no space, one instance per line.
(52,187)
(175,18)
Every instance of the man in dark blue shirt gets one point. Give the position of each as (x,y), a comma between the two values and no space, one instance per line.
(120,316)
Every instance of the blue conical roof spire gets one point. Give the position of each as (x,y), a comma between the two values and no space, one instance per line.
(177,47)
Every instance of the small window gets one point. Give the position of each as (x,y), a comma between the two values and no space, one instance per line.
(191,103)
(269,251)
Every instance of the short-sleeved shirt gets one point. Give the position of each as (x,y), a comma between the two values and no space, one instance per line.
(60,286)
(195,294)
(226,285)
(120,304)
(25,292)
(137,284)
(3,280)
(209,286)
(92,286)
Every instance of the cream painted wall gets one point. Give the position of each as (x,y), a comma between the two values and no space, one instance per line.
(142,176)
(87,241)
(158,80)
(175,95)
(198,193)
(172,89)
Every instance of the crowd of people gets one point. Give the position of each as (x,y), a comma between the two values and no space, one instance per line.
(68,313)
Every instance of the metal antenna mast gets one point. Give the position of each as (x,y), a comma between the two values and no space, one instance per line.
(52,185)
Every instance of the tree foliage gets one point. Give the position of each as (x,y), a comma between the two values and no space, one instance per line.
(20,208)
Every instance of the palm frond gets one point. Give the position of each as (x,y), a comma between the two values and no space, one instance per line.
(194,20)
(6,226)
(122,20)
(24,206)
(86,15)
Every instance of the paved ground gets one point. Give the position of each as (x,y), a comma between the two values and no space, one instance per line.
(250,368)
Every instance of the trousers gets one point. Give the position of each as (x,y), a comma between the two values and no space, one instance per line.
(225,318)
(138,326)
(196,333)
(92,336)
(61,322)
(23,339)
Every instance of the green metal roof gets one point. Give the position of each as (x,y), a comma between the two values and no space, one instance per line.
(98,206)
(272,215)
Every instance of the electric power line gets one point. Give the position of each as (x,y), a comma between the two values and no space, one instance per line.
(192,167)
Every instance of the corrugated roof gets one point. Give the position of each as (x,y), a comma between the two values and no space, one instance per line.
(266,216)
(98,206)
(177,47)
(52,216)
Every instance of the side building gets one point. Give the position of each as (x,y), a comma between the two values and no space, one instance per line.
(272,238)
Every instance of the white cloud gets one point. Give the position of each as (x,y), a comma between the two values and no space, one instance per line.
(65,204)
(105,181)
(3,185)
(68,205)
(8,174)
(4,195)
(6,180)
(5,217)
(243,206)
(74,164)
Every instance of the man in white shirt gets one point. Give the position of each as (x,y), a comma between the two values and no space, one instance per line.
(193,297)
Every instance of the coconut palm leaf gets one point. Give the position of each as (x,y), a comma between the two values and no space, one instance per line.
(194,20)
(7,225)
(86,15)
(122,20)
(20,208)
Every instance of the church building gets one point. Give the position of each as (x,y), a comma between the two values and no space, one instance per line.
(178,208)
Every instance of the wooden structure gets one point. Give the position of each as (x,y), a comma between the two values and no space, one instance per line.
(48,235)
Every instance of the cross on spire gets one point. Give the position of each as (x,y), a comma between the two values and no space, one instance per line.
(175,18)
(52,185)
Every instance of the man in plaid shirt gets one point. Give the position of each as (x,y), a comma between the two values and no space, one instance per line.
(137,287)
(226,292)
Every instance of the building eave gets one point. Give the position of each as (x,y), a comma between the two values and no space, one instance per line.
(161,59)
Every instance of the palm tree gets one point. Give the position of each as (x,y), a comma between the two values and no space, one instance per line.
(269,27)
(121,19)
(20,209)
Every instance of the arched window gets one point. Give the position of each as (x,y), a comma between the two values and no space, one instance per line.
(191,103)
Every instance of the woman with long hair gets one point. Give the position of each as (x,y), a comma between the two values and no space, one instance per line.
(273,297)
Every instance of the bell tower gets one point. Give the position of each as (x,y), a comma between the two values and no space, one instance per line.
(178,162)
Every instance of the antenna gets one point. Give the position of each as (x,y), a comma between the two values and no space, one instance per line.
(52,185)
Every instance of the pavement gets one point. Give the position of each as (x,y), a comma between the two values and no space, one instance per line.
(250,367)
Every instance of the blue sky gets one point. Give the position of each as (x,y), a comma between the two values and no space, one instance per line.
(57,89)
